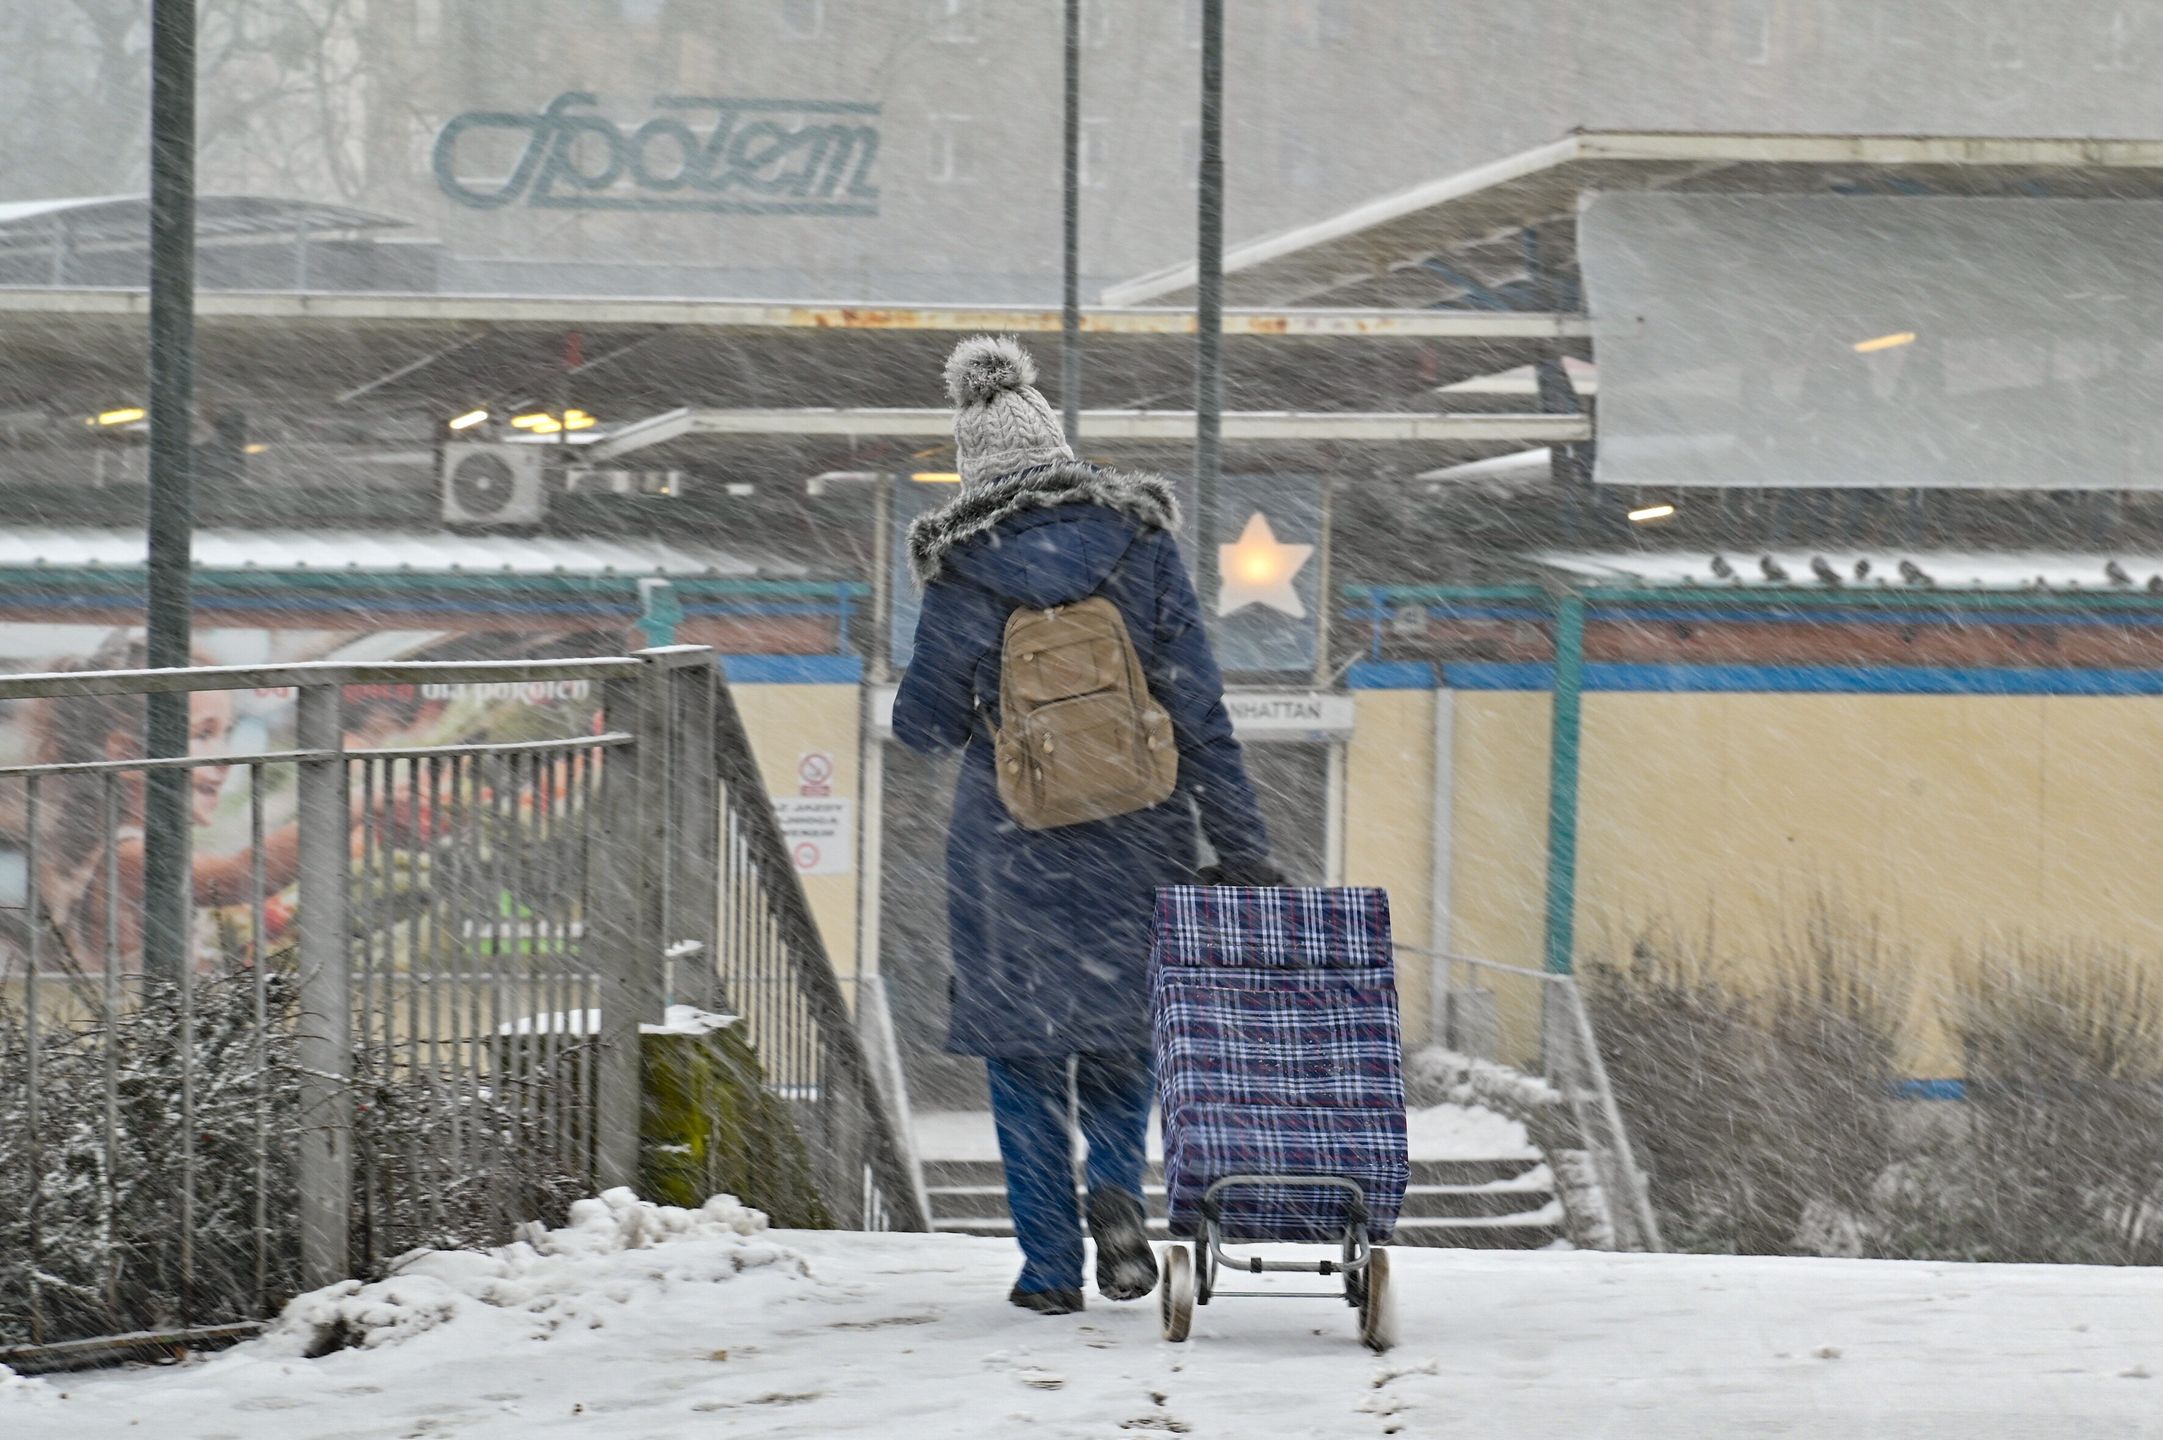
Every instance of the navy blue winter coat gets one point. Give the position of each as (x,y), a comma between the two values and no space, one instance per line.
(1050,929)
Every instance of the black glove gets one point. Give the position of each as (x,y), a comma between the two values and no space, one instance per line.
(1259,873)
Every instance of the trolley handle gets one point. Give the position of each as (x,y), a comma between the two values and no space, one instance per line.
(1355,1224)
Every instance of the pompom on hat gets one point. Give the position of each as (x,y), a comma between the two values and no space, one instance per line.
(1001,422)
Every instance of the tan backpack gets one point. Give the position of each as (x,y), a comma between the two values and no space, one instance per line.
(1080,736)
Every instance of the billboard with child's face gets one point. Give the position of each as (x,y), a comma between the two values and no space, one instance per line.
(77,847)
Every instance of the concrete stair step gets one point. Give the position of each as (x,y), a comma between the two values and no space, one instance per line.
(1530,1230)
(946,1174)
(1420,1201)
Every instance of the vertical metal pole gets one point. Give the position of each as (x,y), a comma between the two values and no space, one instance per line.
(326,1001)
(622,940)
(1209,297)
(259,974)
(33,1118)
(166,900)
(660,610)
(1565,725)
(1441,866)
(1070,327)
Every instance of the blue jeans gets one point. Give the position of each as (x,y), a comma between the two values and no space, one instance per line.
(1029,1100)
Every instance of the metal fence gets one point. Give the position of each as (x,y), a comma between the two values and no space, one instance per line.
(411,1015)
(1535,1022)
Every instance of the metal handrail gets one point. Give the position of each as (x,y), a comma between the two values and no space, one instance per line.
(783,888)
(443,890)
(1637,1193)
(607,740)
(63,684)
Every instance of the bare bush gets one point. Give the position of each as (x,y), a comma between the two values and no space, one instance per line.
(1754,1110)
(92,1240)
(2062,1047)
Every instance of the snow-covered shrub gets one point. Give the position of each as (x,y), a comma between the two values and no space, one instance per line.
(1750,1108)
(2060,1157)
(412,1189)
(102,1247)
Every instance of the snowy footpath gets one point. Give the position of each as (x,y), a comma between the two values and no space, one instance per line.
(638,1321)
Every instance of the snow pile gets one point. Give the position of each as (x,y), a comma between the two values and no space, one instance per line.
(677,1020)
(22,1390)
(1468,1080)
(546,1282)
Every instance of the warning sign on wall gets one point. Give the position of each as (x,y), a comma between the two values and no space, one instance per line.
(820,831)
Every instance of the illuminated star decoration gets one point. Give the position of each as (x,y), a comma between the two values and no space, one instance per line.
(1257,569)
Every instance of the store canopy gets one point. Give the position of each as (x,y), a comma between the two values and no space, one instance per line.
(376,552)
(1377,249)
(125,220)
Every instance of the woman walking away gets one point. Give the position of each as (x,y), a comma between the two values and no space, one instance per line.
(1061,650)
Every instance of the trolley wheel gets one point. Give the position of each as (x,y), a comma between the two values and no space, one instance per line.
(1205,1264)
(1378,1305)
(1355,1281)
(1175,1300)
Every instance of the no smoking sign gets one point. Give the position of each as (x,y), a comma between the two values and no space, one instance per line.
(820,827)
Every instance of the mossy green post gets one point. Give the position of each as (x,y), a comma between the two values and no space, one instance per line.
(709,1125)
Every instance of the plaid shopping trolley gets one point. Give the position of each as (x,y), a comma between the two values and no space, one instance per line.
(1279,1070)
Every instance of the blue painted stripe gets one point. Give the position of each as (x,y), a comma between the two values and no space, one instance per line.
(1390,675)
(334,604)
(1910,616)
(410,602)
(1931,1089)
(1810,679)
(793,669)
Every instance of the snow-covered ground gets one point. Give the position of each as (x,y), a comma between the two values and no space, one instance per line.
(640,1322)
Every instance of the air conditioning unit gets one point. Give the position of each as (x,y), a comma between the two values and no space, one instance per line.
(487,484)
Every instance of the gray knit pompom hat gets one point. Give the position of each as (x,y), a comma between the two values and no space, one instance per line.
(1001,423)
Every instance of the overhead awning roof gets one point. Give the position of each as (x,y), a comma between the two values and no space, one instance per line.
(1100,427)
(1863,571)
(125,219)
(1502,198)
(82,348)
(375,552)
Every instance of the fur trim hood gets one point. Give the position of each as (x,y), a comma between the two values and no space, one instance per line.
(1136,494)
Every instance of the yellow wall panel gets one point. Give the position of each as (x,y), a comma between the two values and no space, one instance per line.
(786,722)
(1389,824)
(2101,840)
(1953,821)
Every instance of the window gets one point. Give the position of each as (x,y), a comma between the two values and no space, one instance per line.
(1328,23)
(1750,27)
(2115,40)
(641,12)
(1190,152)
(1437,28)
(1194,24)
(1095,154)
(1302,162)
(953,22)
(2001,43)
(803,19)
(953,150)
(1096,23)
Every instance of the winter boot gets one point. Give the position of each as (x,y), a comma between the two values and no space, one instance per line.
(1046,1302)
(1126,1267)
